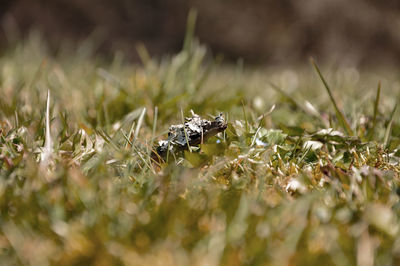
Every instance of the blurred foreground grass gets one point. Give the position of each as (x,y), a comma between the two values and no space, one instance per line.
(286,184)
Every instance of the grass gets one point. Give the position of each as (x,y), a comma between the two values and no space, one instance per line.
(291,181)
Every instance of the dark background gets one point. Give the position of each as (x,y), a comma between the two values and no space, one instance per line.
(360,32)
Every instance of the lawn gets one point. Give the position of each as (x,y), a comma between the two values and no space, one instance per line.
(306,173)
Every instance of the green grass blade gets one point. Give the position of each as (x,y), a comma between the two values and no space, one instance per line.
(190,28)
(139,123)
(389,127)
(143,54)
(376,104)
(184,130)
(129,135)
(153,132)
(342,120)
(285,95)
(245,117)
(296,104)
(107,139)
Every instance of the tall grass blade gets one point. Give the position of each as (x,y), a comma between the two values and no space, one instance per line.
(389,128)
(342,120)
(190,28)
(245,118)
(128,142)
(48,143)
(186,135)
(308,108)
(285,95)
(107,139)
(153,132)
(144,55)
(139,123)
(378,94)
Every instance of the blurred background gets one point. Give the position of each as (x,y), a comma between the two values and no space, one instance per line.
(358,32)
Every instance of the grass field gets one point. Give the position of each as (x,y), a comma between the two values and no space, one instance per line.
(303,175)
